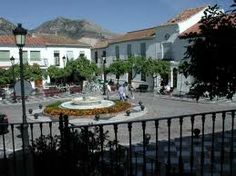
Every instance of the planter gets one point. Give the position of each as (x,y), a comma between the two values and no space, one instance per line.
(128,112)
(196,132)
(97,117)
(36,116)
(142,107)
(140,103)
(30,111)
(40,106)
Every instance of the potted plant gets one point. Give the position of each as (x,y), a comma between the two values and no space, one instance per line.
(36,116)
(142,107)
(97,117)
(128,112)
(40,106)
(140,103)
(196,132)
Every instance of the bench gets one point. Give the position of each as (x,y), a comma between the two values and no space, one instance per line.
(51,92)
(142,88)
(75,89)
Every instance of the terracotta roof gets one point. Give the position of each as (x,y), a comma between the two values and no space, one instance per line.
(9,40)
(129,36)
(195,29)
(136,35)
(59,40)
(36,41)
(185,15)
(101,44)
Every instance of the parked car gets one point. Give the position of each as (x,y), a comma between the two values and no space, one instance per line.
(3,124)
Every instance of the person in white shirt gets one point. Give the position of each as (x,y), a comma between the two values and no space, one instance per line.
(121,92)
(108,91)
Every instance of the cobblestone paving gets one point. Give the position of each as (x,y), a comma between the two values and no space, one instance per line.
(157,106)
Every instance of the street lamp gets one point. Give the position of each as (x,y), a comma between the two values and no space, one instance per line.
(20,37)
(104,74)
(64,64)
(12,59)
(64,60)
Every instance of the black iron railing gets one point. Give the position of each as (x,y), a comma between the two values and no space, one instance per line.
(196,144)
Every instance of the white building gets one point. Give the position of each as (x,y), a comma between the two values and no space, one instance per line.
(160,42)
(43,50)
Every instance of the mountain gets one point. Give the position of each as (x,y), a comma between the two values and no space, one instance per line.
(82,30)
(6,27)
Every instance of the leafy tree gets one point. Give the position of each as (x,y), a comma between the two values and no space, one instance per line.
(157,67)
(85,68)
(118,68)
(136,64)
(5,77)
(233,6)
(211,54)
(31,73)
(56,73)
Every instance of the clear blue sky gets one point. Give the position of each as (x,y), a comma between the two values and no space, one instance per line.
(115,15)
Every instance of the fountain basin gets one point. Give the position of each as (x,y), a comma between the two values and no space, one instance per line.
(87,103)
(84,101)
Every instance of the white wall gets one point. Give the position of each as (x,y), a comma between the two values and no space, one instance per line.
(190,21)
(49,53)
(111,56)
(46,53)
(14,51)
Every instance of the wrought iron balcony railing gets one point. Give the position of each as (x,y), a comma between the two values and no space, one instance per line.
(195,144)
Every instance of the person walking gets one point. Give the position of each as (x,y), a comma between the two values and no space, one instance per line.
(108,91)
(121,92)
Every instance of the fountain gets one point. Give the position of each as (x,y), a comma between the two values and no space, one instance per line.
(87,102)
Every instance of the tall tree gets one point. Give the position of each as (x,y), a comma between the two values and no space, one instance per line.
(118,68)
(211,54)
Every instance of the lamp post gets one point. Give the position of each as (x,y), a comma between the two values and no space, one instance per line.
(12,59)
(104,74)
(20,37)
(64,60)
(64,65)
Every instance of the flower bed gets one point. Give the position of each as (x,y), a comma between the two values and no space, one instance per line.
(54,109)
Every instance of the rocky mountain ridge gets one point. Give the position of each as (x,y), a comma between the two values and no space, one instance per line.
(82,30)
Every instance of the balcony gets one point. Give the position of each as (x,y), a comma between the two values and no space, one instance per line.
(195,144)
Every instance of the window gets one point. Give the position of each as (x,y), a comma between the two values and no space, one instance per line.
(57,58)
(96,57)
(35,56)
(104,54)
(5,55)
(167,36)
(129,50)
(117,50)
(143,76)
(69,55)
(143,49)
(25,57)
(81,54)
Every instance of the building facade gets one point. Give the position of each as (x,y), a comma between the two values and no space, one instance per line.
(160,42)
(42,50)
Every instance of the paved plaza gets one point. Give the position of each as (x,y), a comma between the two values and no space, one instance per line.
(156,105)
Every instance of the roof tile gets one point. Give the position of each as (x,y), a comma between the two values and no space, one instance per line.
(35,41)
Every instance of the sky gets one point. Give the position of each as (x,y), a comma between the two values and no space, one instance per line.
(118,16)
